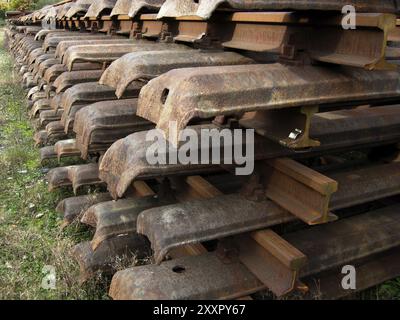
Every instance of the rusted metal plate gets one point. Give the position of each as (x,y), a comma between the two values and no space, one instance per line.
(64,45)
(41,35)
(33,55)
(52,41)
(205,8)
(144,6)
(109,256)
(47,153)
(198,221)
(148,65)
(66,148)
(110,52)
(81,95)
(39,106)
(183,94)
(54,71)
(48,116)
(78,8)
(73,208)
(75,176)
(99,125)
(100,7)
(64,10)
(114,218)
(193,278)
(121,7)
(68,79)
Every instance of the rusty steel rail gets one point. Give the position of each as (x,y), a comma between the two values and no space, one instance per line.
(227,215)
(99,125)
(109,52)
(148,65)
(103,259)
(72,208)
(75,176)
(183,94)
(205,8)
(114,218)
(126,161)
(259,260)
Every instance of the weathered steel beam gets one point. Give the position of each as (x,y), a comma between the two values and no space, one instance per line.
(299,189)
(148,65)
(114,218)
(75,176)
(105,258)
(227,215)
(52,41)
(47,117)
(107,53)
(126,160)
(65,45)
(205,8)
(183,94)
(196,277)
(340,243)
(100,7)
(39,106)
(68,79)
(99,125)
(79,7)
(365,185)
(54,71)
(73,208)
(198,221)
(81,95)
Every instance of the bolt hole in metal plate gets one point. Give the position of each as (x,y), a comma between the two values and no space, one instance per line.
(179,269)
(164,95)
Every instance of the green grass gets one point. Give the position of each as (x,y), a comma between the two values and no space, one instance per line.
(30,234)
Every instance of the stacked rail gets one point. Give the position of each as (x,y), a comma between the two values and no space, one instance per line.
(314,93)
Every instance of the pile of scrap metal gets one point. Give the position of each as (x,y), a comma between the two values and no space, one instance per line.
(322,100)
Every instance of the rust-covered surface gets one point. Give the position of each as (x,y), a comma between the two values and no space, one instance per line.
(68,79)
(121,7)
(148,65)
(339,130)
(107,257)
(75,176)
(79,7)
(73,208)
(64,45)
(100,7)
(110,52)
(197,277)
(99,125)
(138,6)
(114,218)
(183,94)
(205,8)
(83,94)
